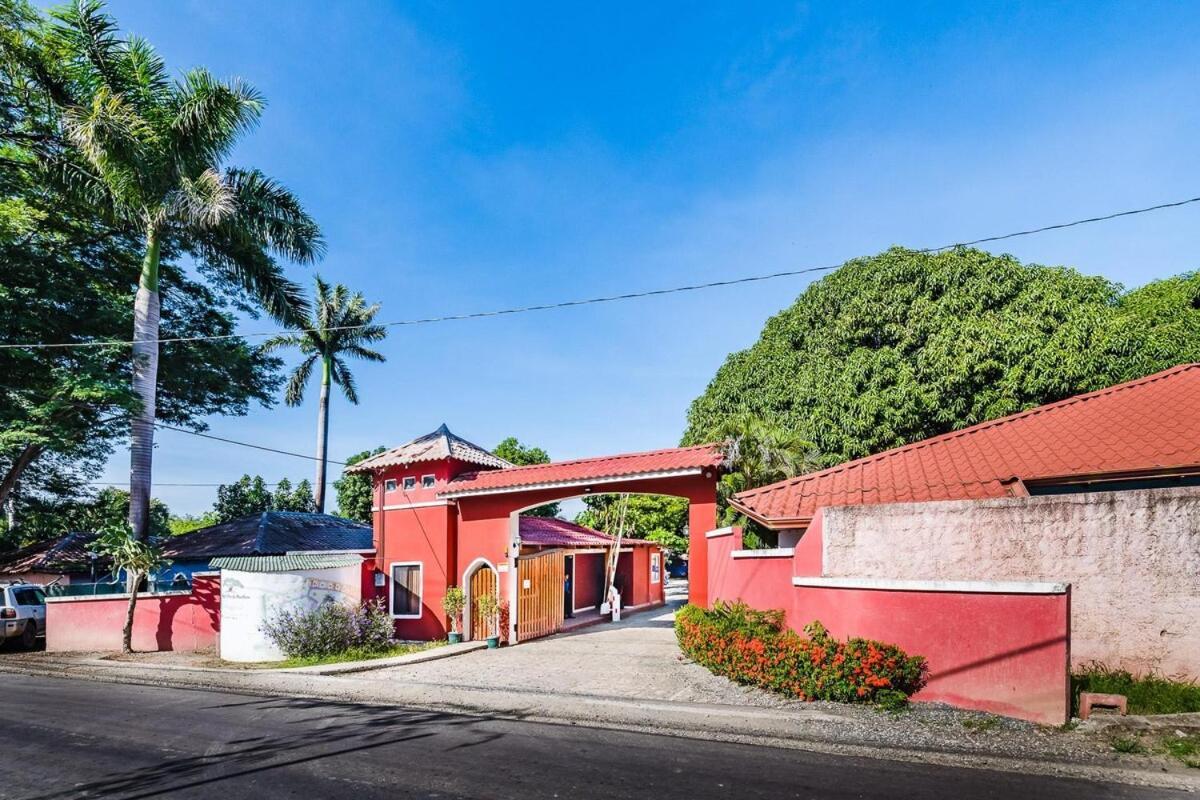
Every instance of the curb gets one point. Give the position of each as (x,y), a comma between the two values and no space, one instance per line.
(683,720)
(420,657)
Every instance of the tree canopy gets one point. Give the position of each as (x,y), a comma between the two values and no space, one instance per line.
(251,495)
(904,345)
(353,489)
(512,451)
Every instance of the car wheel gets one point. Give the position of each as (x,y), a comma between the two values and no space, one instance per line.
(29,635)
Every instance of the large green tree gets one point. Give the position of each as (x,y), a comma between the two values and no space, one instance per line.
(250,495)
(905,345)
(354,489)
(341,327)
(50,517)
(67,271)
(149,151)
(658,518)
(512,451)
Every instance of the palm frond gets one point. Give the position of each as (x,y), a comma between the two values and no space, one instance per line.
(207,117)
(204,202)
(247,265)
(91,38)
(366,355)
(294,394)
(114,139)
(285,340)
(272,216)
(150,86)
(343,378)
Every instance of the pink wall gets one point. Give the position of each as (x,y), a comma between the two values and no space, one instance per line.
(1001,653)
(161,622)
(589,579)
(1005,653)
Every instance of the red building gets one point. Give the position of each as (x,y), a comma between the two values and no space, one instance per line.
(448,513)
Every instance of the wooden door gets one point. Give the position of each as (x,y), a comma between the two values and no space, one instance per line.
(483,581)
(539,594)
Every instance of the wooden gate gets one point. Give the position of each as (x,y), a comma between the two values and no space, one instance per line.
(483,581)
(539,595)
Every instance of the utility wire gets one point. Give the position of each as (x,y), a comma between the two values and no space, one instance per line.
(164,426)
(597,300)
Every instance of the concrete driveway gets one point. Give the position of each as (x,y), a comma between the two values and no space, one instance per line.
(636,658)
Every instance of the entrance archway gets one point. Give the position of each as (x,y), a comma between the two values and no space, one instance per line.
(479,578)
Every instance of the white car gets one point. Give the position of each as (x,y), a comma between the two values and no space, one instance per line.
(22,613)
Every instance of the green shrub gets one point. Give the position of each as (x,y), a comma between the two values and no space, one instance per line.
(756,648)
(332,629)
(1151,694)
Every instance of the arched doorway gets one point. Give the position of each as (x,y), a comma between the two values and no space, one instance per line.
(480,578)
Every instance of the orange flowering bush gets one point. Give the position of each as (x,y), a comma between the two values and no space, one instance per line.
(757,648)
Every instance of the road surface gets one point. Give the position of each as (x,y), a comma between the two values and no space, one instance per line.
(70,738)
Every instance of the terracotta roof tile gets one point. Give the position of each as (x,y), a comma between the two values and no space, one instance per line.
(436,446)
(626,465)
(551,532)
(1147,424)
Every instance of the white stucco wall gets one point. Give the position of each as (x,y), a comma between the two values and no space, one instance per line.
(250,598)
(1132,559)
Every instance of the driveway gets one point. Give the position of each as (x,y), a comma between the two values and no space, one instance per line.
(636,658)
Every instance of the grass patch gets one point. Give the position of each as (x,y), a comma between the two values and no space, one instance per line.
(355,654)
(1184,748)
(1128,744)
(981,724)
(1151,694)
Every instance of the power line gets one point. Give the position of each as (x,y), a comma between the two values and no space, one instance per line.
(602,299)
(164,426)
(205,485)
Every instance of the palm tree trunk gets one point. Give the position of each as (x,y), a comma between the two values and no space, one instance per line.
(322,435)
(145,384)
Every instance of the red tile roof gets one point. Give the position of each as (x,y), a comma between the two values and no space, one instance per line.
(548,532)
(1149,424)
(437,446)
(675,461)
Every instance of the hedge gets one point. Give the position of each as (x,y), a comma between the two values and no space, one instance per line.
(756,648)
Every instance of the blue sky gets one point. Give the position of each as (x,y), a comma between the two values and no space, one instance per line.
(463,157)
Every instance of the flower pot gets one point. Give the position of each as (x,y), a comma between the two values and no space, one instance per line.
(454,637)
(493,642)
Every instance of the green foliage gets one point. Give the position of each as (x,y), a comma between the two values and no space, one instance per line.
(250,495)
(658,518)
(1128,745)
(756,648)
(190,522)
(68,260)
(285,498)
(354,490)
(516,453)
(134,557)
(109,508)
(1150,694)
(453,603)
(901,346)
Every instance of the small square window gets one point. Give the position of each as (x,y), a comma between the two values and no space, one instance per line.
(410,483)
(427,481)
(389,485)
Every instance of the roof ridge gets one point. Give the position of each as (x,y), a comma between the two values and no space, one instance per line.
(973,429)
(618,456)
(260,532)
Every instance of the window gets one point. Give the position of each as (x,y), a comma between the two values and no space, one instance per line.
(655,567)
(406,590)
(410,483)
(389,485)
(427,481)
(29,597)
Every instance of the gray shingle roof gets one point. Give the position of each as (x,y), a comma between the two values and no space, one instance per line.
(270,533)
(440,444)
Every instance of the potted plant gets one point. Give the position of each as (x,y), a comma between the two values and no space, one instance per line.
(487,607)
(453,604)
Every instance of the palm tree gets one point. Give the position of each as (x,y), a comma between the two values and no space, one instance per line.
(342,324)
(149,150)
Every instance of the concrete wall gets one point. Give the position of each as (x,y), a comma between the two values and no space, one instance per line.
(1132,559)
(161,622)
(989,646)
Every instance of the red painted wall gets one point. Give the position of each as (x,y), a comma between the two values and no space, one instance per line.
(589,579)
(1003,653)
(160,622)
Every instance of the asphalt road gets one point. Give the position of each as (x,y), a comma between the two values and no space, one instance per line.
(63,738)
